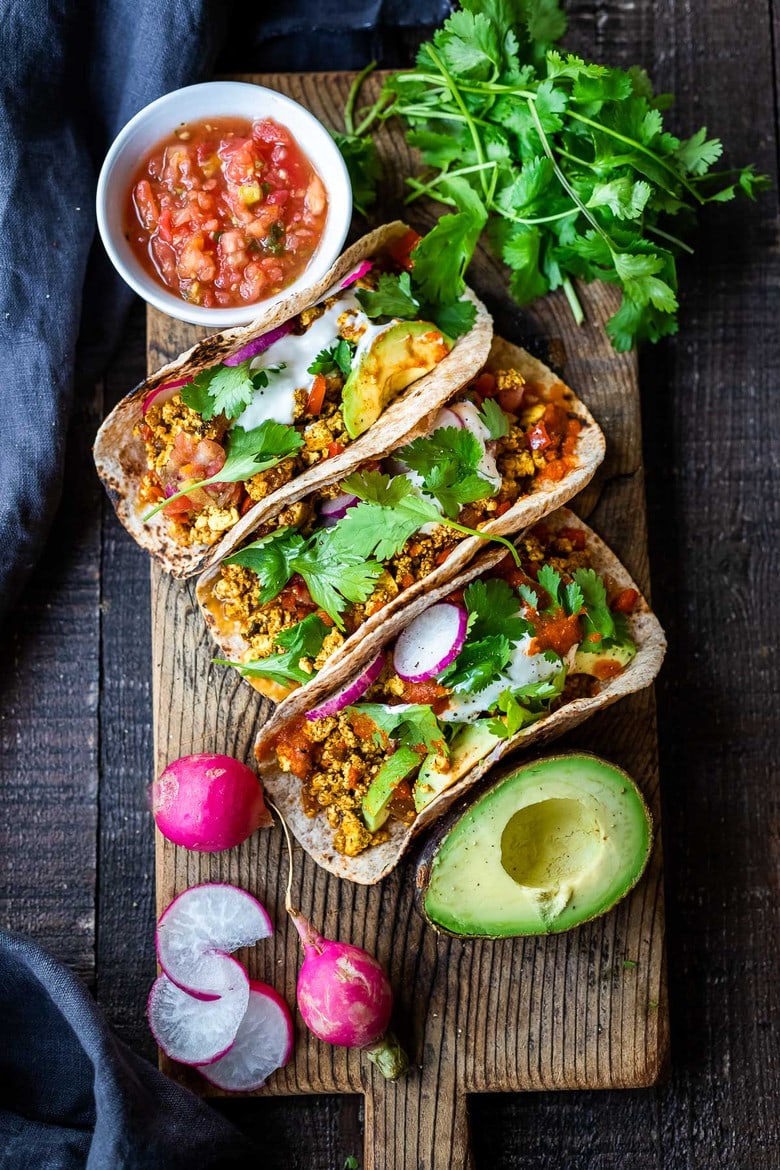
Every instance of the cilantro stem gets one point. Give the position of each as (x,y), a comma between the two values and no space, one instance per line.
(459,102)
(184,492)
(672,239)
(564,181)
(483,536)
(354,90)
(577,310)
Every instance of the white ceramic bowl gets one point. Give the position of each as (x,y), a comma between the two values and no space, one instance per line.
(217,99)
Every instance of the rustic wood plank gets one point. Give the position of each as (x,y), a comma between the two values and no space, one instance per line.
(601,1030)
(49,722)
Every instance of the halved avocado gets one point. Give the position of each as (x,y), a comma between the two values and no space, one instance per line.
(398,356)
(553,844)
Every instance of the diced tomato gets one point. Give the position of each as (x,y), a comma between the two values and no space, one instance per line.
(400,250)
(335,448)
(538,438)
(502,508)
(511,399)
(316,395)
(443,553)
(575,536)
(485,384)
(625,601)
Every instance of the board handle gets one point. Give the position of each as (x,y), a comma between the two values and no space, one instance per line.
(418,1123)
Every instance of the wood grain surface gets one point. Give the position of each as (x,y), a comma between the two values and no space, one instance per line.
(76,843)
(582,1010)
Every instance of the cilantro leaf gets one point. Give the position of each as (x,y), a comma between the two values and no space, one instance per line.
(226,390)
(337,358)
(493,418)
(391,512)
(248,452)
(392,297)
(442,256)
(516,717)
(334,575)
(477,664)
(447,460)
(598,619)
(362,159)
(408,724)
(303,640)
(524,705)
(493,609)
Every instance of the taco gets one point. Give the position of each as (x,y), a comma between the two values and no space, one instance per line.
(247,420)
(502,658)
(512,445)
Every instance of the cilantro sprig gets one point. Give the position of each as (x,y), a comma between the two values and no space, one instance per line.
(335,576)
(334,360)
(303,640)
(392,510)
(411,725)
(569,163)
(248,452)
(226,390)
(494,627)
(447,461)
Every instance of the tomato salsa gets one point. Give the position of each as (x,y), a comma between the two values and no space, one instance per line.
(225,211)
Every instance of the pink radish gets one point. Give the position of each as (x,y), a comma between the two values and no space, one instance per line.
(344,995)
(263,1043)
(197,1031)
(431,642)
(198,931)
(447,418)
(208,802)
(350,693)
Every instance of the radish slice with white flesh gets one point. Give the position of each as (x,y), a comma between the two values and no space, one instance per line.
(336,509)
(431,642)
(447,418)
(163,394)
(263,1043)
(199,930)
(469,418)
(197,1031)
(350,693)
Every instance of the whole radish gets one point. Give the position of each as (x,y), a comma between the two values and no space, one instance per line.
(344,995)
(208,802)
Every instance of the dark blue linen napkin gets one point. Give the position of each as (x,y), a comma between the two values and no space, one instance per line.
(73,1096)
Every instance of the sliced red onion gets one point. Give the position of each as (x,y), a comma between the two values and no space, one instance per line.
(259,345)
(361,270)
(163,393)
(336,509)
(447,418)
(350,693)
(431,642)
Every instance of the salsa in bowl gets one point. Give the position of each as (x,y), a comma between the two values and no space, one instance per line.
(218,200)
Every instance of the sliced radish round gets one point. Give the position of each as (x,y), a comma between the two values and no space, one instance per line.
(198,931)
(431,642)
(263,1043)
(447,418)
(254,348)
(350,693)
(163,394)
(336,509)
(196,1031)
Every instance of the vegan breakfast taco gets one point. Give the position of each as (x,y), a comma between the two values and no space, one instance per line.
(292,604)
(501,657)
(252,419)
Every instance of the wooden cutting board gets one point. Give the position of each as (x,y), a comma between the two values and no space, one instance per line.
(583,1010)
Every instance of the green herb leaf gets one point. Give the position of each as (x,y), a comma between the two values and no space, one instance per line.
(477,664)
(392,297)
(303,640)
(443,255)
(493,418)
(336,359)
(226,390)
(362,159)
(447,460)
(407,724)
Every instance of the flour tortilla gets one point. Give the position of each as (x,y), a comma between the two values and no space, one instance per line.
(316,836)
(120,456)
(543,498)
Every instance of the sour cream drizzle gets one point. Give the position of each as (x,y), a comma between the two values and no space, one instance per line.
(523,668)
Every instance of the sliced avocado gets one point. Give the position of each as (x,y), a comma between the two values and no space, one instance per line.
(380,793)
(553,844)
(595,662)
(468,746)
(398,356)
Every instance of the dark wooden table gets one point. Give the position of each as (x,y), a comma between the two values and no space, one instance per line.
(76,844)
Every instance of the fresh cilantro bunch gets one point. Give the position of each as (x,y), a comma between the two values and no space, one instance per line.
(248,452)
(568,163)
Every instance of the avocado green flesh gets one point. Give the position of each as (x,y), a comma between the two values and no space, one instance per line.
(399,356)
(470,745)
(585,662)
(552,845)
(380,792)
